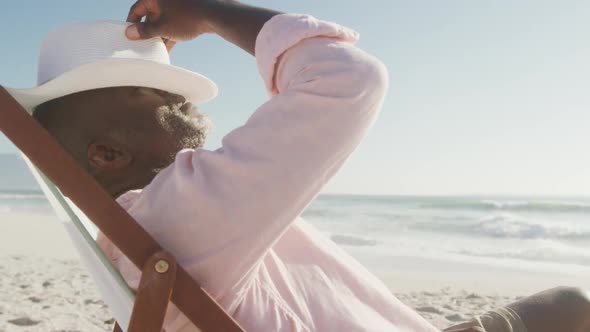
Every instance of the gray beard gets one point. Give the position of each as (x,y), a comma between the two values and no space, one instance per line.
(188,131)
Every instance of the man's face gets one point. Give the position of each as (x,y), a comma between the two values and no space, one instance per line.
(149,124)
(154,121)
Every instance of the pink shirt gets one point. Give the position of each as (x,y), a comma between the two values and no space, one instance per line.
(231,216)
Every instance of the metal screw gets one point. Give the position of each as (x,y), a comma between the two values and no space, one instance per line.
(161,266)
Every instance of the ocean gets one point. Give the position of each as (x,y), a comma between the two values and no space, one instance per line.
(498,230)
(518,231)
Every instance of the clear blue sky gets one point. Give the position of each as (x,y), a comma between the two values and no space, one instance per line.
(486,96)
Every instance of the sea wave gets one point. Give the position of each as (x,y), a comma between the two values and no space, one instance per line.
(352,240)
(507,225)
(18,201)
(20,197)
(487,205)
(511,226)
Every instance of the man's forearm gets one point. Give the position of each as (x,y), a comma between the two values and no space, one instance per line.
(239,23)
(175,20)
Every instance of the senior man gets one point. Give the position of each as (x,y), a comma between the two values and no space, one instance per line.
(231,216)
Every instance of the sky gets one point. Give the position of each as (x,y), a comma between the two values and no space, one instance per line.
(486,97)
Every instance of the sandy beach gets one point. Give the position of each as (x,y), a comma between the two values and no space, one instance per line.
(45,294)
(48,294)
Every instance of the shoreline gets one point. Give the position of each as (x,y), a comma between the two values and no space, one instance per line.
(411,273)
(44,287)
(43,235)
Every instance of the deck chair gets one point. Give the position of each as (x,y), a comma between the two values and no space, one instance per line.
(85,208)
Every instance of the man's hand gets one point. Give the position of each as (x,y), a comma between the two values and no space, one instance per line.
(172,20)
(175,20)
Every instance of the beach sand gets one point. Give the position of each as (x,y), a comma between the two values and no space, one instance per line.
(57,295)
(49,295)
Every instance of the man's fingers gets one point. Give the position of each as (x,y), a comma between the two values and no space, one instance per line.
(148,28)
(142,31)
(137,11)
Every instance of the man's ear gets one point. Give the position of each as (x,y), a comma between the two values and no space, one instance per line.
(105,156)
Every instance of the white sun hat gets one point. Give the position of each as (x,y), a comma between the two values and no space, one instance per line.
(93,55)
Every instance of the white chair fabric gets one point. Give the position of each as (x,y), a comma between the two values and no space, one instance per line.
(82,233)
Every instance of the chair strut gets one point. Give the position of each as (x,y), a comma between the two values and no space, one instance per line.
(153,294)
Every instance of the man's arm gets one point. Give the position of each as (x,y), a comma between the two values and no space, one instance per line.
(218,212)
(186,19)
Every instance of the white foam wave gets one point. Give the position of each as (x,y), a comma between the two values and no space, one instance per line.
(511,226)
(486,205)
(21,196)
(352,240)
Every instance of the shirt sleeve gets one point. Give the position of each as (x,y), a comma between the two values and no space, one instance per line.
(220,211)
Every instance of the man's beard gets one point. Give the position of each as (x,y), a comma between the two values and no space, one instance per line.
(187,131)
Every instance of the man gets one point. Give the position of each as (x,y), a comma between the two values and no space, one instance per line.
(230,216)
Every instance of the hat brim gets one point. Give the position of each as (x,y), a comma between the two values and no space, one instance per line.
(116,72)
